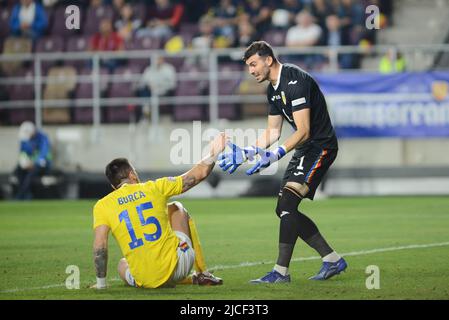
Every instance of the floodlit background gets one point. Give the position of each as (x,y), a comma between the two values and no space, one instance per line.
(122,84)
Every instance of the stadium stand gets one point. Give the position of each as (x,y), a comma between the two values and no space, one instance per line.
(210,83)
(268,18)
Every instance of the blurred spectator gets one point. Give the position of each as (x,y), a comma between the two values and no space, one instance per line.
(196,9)
(225,19)
(321,9)
(127,24)
(285,13)
(65,3)
(117,6)
(49,3)
(305,33)
(205,37)
(95,3)
(392,61)
(158,79)
(352,17)
(107,40)
(335,37)
(245,36)
(386,9)
(204,40)
(258,14)
(28,19)
(163,19)
(34,158)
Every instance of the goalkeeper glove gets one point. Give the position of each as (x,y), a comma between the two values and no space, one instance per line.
(267,157)
(232,160)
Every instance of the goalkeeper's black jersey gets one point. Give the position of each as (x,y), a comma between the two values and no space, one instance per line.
(296,90)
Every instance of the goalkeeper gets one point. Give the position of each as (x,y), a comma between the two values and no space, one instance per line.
(295,97)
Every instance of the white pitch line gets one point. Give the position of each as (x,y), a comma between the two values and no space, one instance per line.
(353,253)
(251,264)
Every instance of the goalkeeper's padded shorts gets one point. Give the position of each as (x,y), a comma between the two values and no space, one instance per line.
(308,166)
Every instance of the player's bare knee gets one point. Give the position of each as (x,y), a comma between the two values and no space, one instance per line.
(177,208)
(300,189)
(122,266)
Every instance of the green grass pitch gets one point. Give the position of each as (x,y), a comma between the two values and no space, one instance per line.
(38,240)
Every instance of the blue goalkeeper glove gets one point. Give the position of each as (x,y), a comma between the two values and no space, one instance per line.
(232,160)
(267,157)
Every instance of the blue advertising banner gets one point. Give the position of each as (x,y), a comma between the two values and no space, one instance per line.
(410,104)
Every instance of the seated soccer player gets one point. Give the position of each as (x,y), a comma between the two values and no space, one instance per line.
(158,240)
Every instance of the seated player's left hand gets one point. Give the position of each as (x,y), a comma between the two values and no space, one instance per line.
(236,157)
(267,157)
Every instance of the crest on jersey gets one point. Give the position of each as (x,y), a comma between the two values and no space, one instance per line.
(284,99)
(440,90)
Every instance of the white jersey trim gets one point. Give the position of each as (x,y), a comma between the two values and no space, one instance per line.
(279,79)
(298,101)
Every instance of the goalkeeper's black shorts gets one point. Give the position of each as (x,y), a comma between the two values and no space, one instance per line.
(308,165)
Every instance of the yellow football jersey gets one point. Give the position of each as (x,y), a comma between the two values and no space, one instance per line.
(137,216)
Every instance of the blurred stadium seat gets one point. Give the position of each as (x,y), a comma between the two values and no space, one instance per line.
(122,89)
(77,44)
(61,82)
(84,90)
(20,92)
(146,43)
(50,44)
(13,46)
(4,25)
(94,17)
(228,86)
(275,37)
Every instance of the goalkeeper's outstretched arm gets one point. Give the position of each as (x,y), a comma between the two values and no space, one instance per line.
(203,168)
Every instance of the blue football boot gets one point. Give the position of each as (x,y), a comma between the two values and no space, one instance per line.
(272,277)
(330,269)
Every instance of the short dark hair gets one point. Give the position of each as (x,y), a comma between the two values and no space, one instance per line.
(262,48)
(118,170)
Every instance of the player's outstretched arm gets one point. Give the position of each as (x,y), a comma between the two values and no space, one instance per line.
(272,133)
(101,255)
(203,168)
